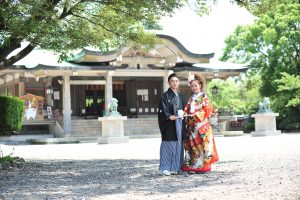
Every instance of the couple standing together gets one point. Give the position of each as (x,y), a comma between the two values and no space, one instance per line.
(187,139)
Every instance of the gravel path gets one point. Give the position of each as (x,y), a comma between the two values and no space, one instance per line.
(249,168)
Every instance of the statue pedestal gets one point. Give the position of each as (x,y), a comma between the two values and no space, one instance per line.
(224,129)
(265,124)
(112,130)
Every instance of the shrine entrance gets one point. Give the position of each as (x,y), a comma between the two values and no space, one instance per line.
(94,103)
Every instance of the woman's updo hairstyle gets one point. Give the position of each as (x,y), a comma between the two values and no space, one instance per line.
(199,79)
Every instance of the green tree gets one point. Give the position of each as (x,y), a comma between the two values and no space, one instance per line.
(261,7)
(290,85)
(252,95)
(63,25)
(236,95)
(227,98)
(288,102)
(271,45)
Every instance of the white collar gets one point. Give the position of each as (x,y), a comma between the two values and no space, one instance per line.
(195,96)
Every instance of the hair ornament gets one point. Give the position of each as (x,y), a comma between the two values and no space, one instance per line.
(191,78)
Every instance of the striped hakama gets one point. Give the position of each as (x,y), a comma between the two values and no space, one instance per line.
(171,152)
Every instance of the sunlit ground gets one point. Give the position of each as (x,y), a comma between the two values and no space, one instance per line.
(249,168)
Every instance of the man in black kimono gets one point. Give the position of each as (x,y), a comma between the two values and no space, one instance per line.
(172,128)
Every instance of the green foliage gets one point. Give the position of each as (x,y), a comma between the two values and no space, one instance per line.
(8,158)
(290,84)
(289,120)
(8,161)
(60,26)
(11,115)
(293,126)
(63,26)
(260,7)
(249,126)
(235,96)
(288,101)
(272,46)
(67,25)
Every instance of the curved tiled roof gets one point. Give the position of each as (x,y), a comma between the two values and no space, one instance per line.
(86,52)
(211,67)
(183,49)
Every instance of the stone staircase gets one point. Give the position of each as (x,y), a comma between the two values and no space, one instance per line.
(132,127)
(141,126)
(86,128)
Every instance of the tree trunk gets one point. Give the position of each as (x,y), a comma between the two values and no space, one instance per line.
(6,63)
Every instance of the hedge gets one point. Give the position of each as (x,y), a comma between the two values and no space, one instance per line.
(11,114)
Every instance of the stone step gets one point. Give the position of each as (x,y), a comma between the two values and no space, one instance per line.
(86,130)
(152,132)
(87,126)
(141,128)
(132,126)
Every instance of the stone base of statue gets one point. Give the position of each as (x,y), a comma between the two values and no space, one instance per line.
(112,130)
(224,128)
(265,124)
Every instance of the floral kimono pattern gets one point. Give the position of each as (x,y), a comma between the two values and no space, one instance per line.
(199,145)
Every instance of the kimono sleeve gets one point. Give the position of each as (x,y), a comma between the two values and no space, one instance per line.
(186,109)
(206,110)
(163,113)
(165,107)
(207,107)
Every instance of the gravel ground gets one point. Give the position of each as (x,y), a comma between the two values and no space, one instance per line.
(249,168)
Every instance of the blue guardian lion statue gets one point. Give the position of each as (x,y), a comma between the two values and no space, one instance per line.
(113,108)
(264,106)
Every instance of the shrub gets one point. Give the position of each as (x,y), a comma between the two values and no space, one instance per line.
(10,161)
(249,126)
(290,122)
(11,115)
(295,126)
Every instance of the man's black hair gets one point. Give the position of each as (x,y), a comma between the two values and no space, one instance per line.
(171,76)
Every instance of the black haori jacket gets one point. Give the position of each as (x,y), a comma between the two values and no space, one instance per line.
(167,107)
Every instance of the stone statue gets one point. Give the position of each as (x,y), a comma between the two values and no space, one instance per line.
(113,108)
(264,106)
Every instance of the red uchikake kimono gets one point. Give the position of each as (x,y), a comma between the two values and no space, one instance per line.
(199,145)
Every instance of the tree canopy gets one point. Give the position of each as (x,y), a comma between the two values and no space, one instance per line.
(271,45)
(238,96)
(290,86)
(272,48)
(261,7)
(63,25)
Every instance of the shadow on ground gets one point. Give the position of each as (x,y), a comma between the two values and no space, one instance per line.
(89,178)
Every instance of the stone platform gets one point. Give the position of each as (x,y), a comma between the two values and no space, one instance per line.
(265,124)
(112,130)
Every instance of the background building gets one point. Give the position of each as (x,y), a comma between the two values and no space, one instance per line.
(82,86)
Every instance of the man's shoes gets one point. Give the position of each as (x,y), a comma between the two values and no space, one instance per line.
(166,173)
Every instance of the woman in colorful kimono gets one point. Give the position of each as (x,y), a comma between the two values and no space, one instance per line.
(199,145)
